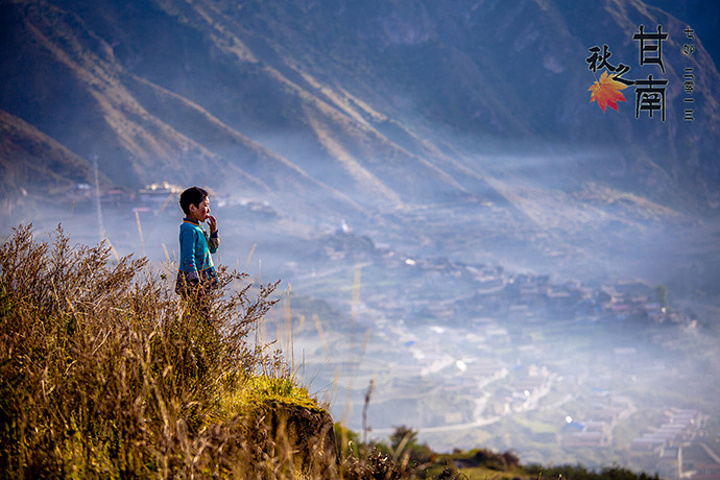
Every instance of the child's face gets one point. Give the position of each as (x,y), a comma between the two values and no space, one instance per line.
(200,212)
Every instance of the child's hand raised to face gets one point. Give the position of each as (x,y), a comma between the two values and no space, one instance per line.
(212,223)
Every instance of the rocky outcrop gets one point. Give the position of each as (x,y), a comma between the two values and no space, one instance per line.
(300,441)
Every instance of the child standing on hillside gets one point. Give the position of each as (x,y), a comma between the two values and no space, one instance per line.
(197,271)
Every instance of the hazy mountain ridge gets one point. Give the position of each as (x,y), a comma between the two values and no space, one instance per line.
(520,73)
(374,106)
(31,159)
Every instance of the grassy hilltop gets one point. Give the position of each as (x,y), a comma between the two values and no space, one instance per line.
(106,373)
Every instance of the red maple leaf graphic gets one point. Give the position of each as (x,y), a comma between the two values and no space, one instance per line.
(606,91)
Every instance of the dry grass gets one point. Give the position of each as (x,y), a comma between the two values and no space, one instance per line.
(106,373)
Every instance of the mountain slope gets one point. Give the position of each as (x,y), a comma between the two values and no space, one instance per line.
(31,160)
(356,107)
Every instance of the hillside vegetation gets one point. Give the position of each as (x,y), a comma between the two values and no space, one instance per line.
(404,457)
(106,373)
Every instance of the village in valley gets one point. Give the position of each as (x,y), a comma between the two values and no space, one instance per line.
(474,355)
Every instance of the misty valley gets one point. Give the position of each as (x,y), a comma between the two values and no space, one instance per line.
(394,327)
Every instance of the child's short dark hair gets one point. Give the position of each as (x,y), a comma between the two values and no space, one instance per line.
(192,196)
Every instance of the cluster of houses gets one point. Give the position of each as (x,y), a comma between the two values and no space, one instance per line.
(469,291)
(681,447)
(603,413)
(681,427)
(678,448)
(536,298)
(156,197)
(152,197)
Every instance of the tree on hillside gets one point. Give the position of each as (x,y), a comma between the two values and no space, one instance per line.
(405,448)
(402,437)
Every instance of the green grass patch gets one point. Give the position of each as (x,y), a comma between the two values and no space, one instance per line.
(256,392)
(534,426)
